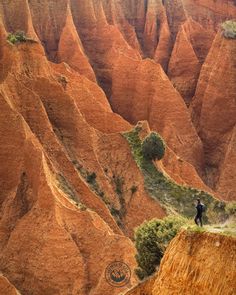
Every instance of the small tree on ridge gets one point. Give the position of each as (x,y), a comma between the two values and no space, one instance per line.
(153,147)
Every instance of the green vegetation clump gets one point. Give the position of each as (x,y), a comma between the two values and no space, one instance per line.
(118,182)
(151,241)
(18,37)
(231,209)
(91,177)
(153,147)
(63,81)
(176,199)
(119,189)
(81,206)
(229,29)
(195,229)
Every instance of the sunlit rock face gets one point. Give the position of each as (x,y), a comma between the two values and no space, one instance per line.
(71,192)
(182,270)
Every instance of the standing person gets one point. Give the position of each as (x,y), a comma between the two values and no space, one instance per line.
(200,209)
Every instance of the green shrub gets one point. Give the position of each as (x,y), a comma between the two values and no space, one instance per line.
(153,147)
(229,29)
(231,208)
(82,207)
(91,177)
(151,241)
(17,37)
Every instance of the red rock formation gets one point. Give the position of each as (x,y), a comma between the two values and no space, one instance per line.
(101,38)
(6,287)
(182,172)
(49,22)
(183,267)
(58,229)
(176,168)
(190,49)
(16,15)
(70,49)
(38,181)
(91,101)
(193,24)
(142,91)
(214,113)
(143,288)
(137,206)
(187,269)
(210,14)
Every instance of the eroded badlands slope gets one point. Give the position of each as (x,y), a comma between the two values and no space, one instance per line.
(106,41)
(71,189)
(50,238)
(188,263)
(214,115)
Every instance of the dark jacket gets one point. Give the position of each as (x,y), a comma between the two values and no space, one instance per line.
(199,208)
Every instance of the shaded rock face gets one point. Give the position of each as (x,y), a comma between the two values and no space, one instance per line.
(190,50)
(214,115)
(187,267)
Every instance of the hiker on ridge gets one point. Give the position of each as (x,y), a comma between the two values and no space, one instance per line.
(200,210)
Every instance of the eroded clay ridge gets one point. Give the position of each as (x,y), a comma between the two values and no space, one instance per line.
(106,42)
(187,266)
(71,192)
(149,27)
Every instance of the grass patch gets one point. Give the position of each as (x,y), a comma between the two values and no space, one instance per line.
(196,229)
(172,196)
(214,229)
(66,187)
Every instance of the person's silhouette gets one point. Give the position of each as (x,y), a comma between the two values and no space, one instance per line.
(200,209)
